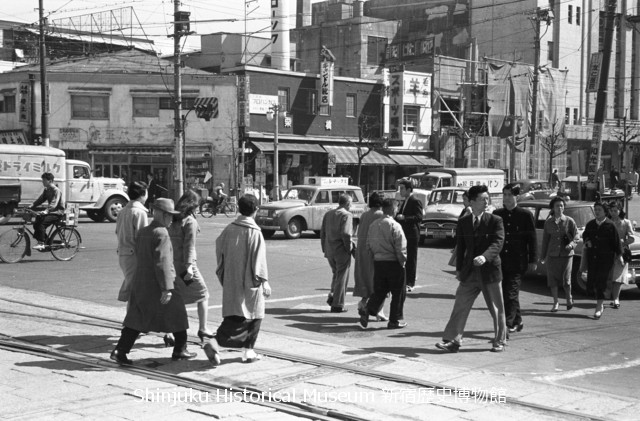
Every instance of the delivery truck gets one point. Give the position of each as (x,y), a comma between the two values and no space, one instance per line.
(23,165)
(425,182)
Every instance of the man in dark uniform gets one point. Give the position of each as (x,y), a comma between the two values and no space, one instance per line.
(518,253)
(409,216)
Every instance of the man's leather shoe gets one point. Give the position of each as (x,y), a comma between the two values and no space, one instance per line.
(184,355)
(120,357)
(448,346)
(330,300)
(397,325)
(338,310)
(364,319)
(497,348)
(516,328)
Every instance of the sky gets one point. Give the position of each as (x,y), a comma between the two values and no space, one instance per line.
(155,16)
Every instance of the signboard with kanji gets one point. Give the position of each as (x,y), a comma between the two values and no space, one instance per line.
(593,77)
(260,104)
(395,108)
(326,83)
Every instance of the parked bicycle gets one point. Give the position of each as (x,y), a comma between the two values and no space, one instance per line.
(208,208)
(63,240)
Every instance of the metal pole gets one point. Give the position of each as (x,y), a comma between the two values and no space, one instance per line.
(512,145)
(276,170)
(177,107)
(44,97)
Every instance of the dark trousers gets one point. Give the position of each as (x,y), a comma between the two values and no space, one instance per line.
(41,224)
(511,294)
(238,332)
(412,258)
(388,276)
(129,336)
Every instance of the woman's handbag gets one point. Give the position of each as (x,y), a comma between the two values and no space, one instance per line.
(626,254)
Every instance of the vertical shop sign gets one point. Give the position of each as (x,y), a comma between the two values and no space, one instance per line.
(326,83)
(244,119)
(395,108)
(24,103)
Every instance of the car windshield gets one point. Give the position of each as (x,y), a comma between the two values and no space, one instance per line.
(539,185)
(426,182)
(445,197)
(300,193)
(581,215)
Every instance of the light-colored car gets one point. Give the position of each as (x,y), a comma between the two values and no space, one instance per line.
(581,212)
(304,206)
(569,188)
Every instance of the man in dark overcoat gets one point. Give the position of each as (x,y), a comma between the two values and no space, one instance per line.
(518,254)
(155,305)
(480,236)
(409,216)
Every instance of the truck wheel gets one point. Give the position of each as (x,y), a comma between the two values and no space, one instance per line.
(95,215)
(294,228)
(113,207)
(268,233)
(578,285)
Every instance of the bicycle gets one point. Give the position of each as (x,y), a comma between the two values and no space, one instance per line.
(63,240)
(208,208)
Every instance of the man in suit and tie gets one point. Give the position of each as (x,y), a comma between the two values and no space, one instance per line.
(480,236)
(409,216)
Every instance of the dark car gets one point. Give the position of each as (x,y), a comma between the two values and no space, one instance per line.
(581,212)
(535,189)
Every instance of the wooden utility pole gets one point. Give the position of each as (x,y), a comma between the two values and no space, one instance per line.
(44,94)
(177,104)
(595,151)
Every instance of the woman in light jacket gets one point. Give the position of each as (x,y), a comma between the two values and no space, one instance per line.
(619,272)
(189,281)
(559,239)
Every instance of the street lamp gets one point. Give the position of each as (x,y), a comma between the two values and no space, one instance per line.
(272,114)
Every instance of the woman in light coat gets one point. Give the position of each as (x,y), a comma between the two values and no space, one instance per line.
(189,281)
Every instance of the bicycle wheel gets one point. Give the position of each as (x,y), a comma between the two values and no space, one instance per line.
(64,243)
(13,246)
(229,209)
(206,209)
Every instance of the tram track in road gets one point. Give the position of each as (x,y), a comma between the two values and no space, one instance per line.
(308,411)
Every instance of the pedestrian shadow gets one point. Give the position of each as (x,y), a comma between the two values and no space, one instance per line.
(414,295)
(565,314)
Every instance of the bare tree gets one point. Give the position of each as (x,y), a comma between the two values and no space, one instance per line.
(555,143)
(368,139)
(625,136)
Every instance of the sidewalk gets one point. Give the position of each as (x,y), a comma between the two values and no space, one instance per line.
(40,387)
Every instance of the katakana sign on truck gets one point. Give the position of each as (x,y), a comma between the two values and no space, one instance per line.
(24,165)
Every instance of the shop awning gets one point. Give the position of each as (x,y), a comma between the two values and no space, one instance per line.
(289,147)
(142,150)
(349,155)
(405,160)
(425,160)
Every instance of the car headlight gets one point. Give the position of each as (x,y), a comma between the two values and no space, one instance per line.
(275,213)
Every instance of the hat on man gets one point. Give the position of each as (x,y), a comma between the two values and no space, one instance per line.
(165,205)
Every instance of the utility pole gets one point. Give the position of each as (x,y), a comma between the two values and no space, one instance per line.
(595,151)
(177,104)
(44,95)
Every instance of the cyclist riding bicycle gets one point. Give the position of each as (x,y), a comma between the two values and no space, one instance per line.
(52,214)
(218,194)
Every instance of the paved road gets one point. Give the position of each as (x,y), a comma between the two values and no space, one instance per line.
(566,347)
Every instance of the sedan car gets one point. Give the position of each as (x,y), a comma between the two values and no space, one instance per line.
(535,189)
(581,212)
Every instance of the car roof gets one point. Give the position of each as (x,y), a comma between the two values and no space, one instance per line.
(333,187)
(450,188)
(545,203)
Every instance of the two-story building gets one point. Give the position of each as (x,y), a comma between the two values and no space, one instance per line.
(116,110)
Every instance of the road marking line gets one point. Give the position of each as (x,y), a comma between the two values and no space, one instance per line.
(299,297)
(588,371)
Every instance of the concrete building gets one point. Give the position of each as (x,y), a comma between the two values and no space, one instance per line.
(116,110)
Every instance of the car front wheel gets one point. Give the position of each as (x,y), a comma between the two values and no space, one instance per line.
(294,228)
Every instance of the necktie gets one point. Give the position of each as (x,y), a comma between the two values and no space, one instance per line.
(476,223)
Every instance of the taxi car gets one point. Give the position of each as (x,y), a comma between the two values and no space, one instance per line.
(441,213)
(304,206)
(581,212)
